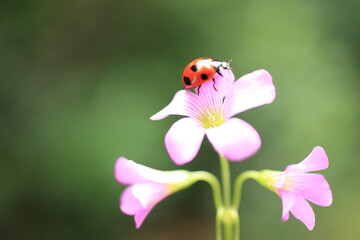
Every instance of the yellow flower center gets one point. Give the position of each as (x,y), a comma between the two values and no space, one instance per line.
(212,119)
(281,181)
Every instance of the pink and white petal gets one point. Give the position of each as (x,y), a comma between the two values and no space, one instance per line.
(149,194)
(170,177)
(288,200)
(228,75)
(211,99)
(222,85)
(211,94)
(303,211)
(129,204)
(235,139)
(185,103)
(317,160)
(312,187)
(129,172)
(250,91)
(140,216)
(183,140)
(140,199)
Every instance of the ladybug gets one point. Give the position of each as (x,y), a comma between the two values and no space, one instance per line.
(202,70)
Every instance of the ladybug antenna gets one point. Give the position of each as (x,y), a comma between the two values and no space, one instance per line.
(229,64)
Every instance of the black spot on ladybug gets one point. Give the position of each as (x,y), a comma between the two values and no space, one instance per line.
(187,80)
(193,68)
(204,76)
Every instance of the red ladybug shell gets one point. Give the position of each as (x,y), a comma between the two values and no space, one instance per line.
(200,71)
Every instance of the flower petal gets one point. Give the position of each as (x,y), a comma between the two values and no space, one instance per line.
(312,187)
(149,194)
(183,140)
(140,216)
(140,199)
(303,211)
(129,204)
(221,86)
(235,139)
(250,91)
(317,160)
(185,103)
(226,81)
(129,172)
(288,201)
(211,93)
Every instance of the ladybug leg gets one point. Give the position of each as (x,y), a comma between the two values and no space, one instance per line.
(214,84)
(198,90)
(217,70)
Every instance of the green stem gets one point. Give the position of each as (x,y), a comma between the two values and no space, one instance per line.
(225,174)
(213,182)
(226,184)
(236,227)
(227,230)
(238,186)
(219,216)
(237,197)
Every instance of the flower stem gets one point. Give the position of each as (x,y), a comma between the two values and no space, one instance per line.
(227,230)
(225,174)
(237,227)
(237,197)
(226,184)
(219,214)
(238,186)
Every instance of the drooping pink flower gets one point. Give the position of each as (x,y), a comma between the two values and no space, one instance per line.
(210,113)
(147,187)
(295,185)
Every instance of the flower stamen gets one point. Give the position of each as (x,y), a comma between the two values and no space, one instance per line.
(211,120)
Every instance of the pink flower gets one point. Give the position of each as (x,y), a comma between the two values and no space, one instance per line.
(147,187)
(295,185)
(210,114)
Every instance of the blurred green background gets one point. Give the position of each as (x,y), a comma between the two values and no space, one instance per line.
(80,79)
